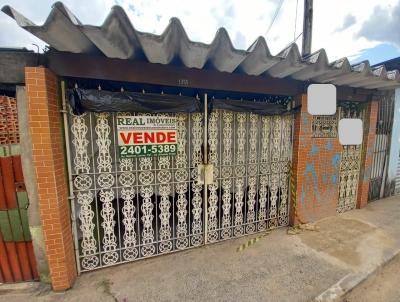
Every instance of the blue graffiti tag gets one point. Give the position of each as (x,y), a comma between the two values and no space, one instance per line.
(310,169)
(303,195)
(314,149)
(328,146)
(335,160)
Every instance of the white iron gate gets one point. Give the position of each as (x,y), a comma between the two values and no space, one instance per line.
(350,166)
(131,208)
(250,155)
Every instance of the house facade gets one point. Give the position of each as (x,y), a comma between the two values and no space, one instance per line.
(138,145)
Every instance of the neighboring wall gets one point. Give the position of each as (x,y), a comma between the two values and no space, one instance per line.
(316,166)
(17,259)
(316,163)
(35,223)
(9,132)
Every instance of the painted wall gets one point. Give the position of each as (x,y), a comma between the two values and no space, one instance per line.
(316,166)
(316,163)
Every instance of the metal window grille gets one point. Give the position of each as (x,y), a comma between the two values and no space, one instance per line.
(324,126)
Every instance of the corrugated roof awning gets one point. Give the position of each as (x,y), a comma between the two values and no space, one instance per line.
(117,38)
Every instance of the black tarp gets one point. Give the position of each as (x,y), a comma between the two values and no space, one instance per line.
(82,100)
(92,100)
(261,108)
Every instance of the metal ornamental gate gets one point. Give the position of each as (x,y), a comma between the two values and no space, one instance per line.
(250,155)
(380,161)
(350,166)
(131,208)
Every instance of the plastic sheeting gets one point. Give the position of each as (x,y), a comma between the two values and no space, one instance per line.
(261,108)
(82,100)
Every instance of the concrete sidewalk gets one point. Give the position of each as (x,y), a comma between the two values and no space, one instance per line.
(319,266)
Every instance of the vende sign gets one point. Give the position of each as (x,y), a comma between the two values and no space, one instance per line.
(146,136)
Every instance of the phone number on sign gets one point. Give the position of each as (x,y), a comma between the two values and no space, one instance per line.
(147,150)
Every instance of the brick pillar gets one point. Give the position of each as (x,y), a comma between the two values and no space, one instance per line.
(316,163)
(367,153)
(45,123)
(298,163)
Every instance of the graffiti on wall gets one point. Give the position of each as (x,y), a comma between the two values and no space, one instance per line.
(321,174)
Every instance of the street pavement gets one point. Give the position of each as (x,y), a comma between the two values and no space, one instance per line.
(321,265)
(381,286)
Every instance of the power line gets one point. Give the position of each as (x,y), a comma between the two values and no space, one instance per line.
(273,19)
(295,22)
(298,36)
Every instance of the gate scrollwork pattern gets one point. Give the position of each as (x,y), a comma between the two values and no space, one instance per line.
(181,177)
(89,244)
(264,172)
(275,170)
(197,159)
(105,180)
(132,208)
(240,172)
(146,176)
(250,154)
(83,182)
(79,129)
(350,162)
(252,178)
(227,174)
(164,177)
(212,223)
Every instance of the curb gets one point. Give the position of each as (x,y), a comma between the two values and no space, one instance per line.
(350,281)
(24,288)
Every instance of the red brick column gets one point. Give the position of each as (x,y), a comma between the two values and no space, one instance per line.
(298,163)
(367,153)
(45,122)
(316,163)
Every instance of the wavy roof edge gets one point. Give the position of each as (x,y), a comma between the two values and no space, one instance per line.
(117,38)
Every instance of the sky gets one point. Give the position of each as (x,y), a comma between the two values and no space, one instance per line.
(357,29)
